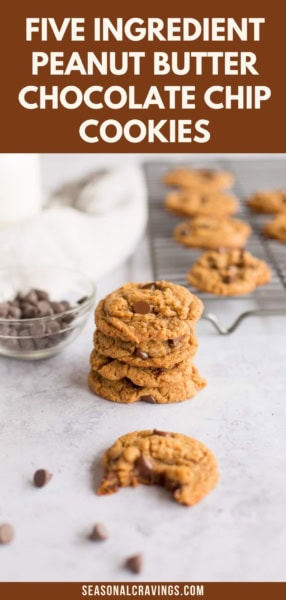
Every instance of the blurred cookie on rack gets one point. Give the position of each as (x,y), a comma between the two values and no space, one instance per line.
(210,232)
(268,202)
(276,229)
(206,180)
(193,202)
(228,273)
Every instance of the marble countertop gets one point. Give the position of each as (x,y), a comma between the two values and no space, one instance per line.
(49,418)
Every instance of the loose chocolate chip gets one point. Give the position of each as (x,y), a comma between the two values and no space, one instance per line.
(32,297)
(4,329)
(14,312)
(6,533)
(12,344)
(37,329)
(42,295)
(52,327)
(26,344)
(149,399)
(67,319)
(172,343)
(162,433)
(42,477)
(42,343)
(57,307)
(65,304)
(99,533)
(141,307)
(24,332)
(45,308)
(149,286)
(20,297)
(184,232)
(4,309)
(30,311)
(140,353)
(134,563)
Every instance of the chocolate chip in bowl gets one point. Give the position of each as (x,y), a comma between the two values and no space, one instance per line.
(42,309)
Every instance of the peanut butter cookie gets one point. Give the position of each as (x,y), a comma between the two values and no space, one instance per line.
(268,202)
(212,232)
(138,312)
(229,273)
(115,370)
(205,179)
(189,203)
(179,463)
(276,229)
(125,391)
(153,353)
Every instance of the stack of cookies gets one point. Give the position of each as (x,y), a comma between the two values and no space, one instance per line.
(144,344)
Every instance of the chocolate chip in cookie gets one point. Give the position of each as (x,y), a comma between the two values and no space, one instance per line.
(140,354)
(174,342)
(145,467)
(141,307)
(227,279)
(148,398)
(160,432)
(149,286)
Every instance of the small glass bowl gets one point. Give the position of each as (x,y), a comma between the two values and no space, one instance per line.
(40,337)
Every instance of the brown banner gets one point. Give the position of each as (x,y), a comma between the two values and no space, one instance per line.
(168,590)
(203,124)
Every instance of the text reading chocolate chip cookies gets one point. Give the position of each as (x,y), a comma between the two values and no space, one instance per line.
(179,69)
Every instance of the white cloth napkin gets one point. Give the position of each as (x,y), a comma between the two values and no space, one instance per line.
(91,225)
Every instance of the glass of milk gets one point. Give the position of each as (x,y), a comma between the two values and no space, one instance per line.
(21,195)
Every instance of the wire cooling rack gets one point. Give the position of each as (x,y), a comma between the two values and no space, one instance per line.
(171,261)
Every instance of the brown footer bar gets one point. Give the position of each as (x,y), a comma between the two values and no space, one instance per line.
(76,591)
